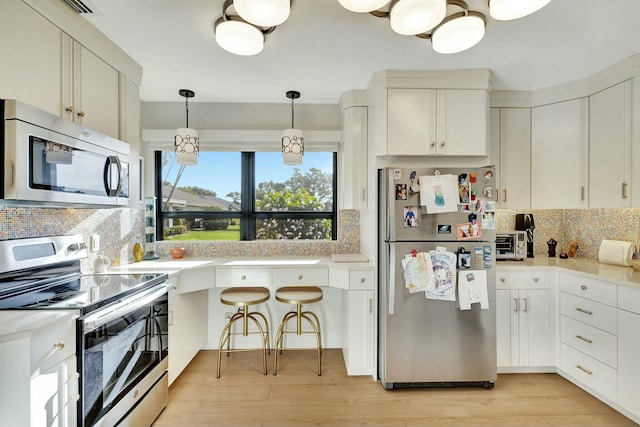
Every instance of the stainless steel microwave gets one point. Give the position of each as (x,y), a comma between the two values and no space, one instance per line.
(511,245)
(49,160)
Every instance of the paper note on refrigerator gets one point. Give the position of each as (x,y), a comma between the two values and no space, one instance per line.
(418,271)
(472,288)
(444,277)
(439,193)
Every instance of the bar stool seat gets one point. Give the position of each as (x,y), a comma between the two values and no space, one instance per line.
(243,297)
(298,295)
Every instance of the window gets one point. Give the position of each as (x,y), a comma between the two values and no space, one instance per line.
(246,196)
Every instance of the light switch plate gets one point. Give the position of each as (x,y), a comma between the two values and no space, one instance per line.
(94,243)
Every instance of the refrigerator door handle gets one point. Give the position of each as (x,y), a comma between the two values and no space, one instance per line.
(392,278)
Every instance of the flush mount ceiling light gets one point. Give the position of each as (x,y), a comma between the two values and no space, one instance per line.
(237,36)
(449,29)
(504,10)
(292,139)
(264,13)
(187,143)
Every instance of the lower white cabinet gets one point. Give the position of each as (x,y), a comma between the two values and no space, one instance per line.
(524,320)
(54,394)
(188,322)
(629,350)
(357,332)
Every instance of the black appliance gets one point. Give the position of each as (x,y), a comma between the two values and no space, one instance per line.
(122,327)
(525,222)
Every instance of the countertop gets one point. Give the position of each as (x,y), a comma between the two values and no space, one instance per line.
(588,267)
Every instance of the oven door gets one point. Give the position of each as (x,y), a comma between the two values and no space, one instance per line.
(122,346)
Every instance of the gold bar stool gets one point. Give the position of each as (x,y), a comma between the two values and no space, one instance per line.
(298,295)
(243,298)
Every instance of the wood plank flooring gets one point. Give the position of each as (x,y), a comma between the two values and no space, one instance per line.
(297,396)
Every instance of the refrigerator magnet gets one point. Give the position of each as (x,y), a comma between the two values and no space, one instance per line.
(397,174)
(477,253)
(463,193)
(488,192)
(444,228)
(468,230)
(410,219)
(464,258)
(401,191)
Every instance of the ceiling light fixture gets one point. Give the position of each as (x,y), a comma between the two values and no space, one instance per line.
(237,36)
(505,10)
(187,143)
(264,13)
(292,139)
(449,30)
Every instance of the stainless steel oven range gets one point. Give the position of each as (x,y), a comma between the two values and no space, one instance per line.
(122,335)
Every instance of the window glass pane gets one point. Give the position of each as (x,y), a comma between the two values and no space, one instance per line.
(212,184)
(306,187)
(181,229)
(293,229)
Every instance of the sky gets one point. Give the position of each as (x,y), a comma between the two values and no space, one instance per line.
(220,171)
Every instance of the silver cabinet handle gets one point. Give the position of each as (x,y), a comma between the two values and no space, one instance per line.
(517,306)
(624,190)
(244,277)
(370,305)
(582,194)
(505,195)
(583,287)
(526,305)
(587,340)
(582,310)
(588,372)
(300,277)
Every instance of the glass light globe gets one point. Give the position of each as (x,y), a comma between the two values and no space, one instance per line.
(362,6)
(458,34)
(411,17)
(505,10)
(264,13)
(239,37)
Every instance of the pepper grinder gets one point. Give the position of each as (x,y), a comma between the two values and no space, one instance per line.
(552,248)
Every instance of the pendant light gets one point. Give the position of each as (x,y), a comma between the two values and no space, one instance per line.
(187,143)
(411,17)
(505,10)
(292,139)
(362,6)
(264,13)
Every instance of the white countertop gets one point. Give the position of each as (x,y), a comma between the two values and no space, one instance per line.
(588,267)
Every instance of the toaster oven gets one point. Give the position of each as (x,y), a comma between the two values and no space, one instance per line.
(511,245)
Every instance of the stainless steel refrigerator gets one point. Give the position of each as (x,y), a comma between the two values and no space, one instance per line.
(425,342)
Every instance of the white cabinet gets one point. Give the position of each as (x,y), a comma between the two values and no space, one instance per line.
(629,349)
(451,122)
(511,142)
(610,147)
(524,320)
(353,162)
(90,90)
(559,135)
(54,394)
(188,322)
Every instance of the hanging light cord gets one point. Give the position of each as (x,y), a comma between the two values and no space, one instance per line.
(186,104)
(292,126)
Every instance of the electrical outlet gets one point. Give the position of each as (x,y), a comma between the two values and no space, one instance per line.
(94,242)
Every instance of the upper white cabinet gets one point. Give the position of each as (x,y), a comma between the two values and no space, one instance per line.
(511,141)
(451,122)
(610,147)
(90,93)
(559,135)
(353,166)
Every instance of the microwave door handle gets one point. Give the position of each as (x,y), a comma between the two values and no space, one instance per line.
(111,192)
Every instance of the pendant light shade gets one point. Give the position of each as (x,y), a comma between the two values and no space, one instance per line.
(187,143)
(292,139)
(362,6)
(411,17)
(505,10)
(239,37)
(264,13)
(459,33)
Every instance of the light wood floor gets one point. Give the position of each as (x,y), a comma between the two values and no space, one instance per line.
(297,396)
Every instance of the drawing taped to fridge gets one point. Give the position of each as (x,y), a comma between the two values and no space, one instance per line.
(437,277)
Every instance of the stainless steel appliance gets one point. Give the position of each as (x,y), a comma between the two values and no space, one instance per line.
(425,342)
(48,160)
(122,341)
(511,245)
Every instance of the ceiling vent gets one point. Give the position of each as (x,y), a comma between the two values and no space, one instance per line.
(82,7)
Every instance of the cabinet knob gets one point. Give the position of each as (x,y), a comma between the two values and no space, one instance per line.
(69,109)
(536,280)
(81,114)
(433,144)
(442,144)
(300,277)
(583,287)
(503,280)
(362,280)
(244,277)
(59,345)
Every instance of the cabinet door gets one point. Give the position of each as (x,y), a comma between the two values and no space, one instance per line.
(31,51)
(558,155)
(514,151)
(411,121)
(506,327)
(462,122)
(357,333)
(535,328)
(353,162)
(96,93)
(54,394)
(628,353)
(610,147)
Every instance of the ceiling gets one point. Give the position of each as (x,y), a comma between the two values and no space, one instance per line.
(323,50)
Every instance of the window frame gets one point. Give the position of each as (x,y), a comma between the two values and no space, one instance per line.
(247,214)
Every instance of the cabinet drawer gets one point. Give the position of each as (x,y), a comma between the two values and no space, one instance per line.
(592,341)
(300,276)
(590,312)
(361,279)
(227,277)
(604,292)
(534,279)
(629,299)
(592,373)
(54,342)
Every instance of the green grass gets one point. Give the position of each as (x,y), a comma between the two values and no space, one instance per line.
(232,233)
